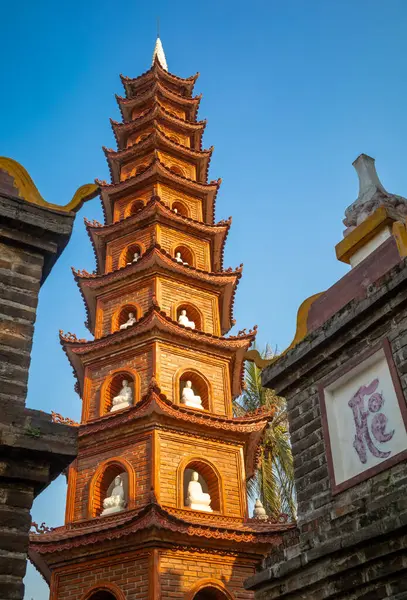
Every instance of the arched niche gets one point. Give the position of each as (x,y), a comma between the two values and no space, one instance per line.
(200,385)
(122,315)
(137,138)
(210,590)
(193,314)
(180,207)
(186,254)
(103,482)
(135,207)
(177,170)
(112,386)
(127,256)
(104,591)
(139,169)
(208,477)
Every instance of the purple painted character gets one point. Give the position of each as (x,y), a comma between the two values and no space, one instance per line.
(363,439)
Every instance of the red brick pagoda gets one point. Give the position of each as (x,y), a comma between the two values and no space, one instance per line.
(156,504)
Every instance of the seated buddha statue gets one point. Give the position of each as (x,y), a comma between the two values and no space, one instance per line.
(183,320)
(179,258)
(196,499)
(136,257)
(124,399)
(130,321)
(115,502)
(188,397)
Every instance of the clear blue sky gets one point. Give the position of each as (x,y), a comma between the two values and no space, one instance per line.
(293,91)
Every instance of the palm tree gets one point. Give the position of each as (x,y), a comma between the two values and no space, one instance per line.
(273,482)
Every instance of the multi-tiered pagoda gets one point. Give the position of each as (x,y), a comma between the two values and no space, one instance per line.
(156,504)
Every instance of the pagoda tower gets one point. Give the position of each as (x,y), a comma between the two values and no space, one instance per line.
(156,502)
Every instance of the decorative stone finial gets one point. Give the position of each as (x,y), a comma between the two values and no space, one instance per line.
(159,53)
(372,194)
(259,511)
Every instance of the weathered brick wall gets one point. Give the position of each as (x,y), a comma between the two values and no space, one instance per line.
(20,274)
(175,449)
(351,545)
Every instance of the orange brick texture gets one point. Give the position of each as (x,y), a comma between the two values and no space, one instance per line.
(172,360)
(176,450)
(137,455)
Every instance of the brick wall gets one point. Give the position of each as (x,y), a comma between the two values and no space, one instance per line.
(351,545)
(20,274)
(140,361)
(171,238)
(129,573)
(182,571)
(171,293)
(177,449)
(137,454)
(108,304)
(172,359)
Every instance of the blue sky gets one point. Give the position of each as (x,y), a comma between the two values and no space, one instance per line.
(293,92)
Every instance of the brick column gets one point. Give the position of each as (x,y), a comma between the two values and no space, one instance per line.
(33,449)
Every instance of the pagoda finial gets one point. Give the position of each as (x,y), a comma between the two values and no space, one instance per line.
(159,53)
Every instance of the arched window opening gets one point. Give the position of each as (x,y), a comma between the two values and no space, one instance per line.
(183,255)
(110,490)
(188,312)
(201,487)
(173,138)
(103,595)
(139,169)
(210,593)
(177,170)
(125,317)
(130,255)
(180,208)
(192,380)
(117,393)
(136,207)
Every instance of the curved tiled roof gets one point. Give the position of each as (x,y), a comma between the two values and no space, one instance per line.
(156,71)
(155,207)
(156,168)
(153,141)
(156,318)
(157,256)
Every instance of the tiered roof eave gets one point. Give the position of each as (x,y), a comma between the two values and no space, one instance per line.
(127,105)
(156,261)
(156,325)
(157,172)
(157,211)
(133,85)
(122,131)
(158,140)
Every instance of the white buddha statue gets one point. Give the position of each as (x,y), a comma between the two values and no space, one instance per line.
(196,499)
(124,399)
(179,259)
(183,320)
(130,321)
(188,397)
(136,257)
(115,502)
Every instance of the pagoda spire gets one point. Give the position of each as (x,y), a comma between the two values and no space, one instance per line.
(159,53)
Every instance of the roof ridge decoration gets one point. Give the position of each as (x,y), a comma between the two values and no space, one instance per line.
(159,54)
(28,191)
(372,194)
